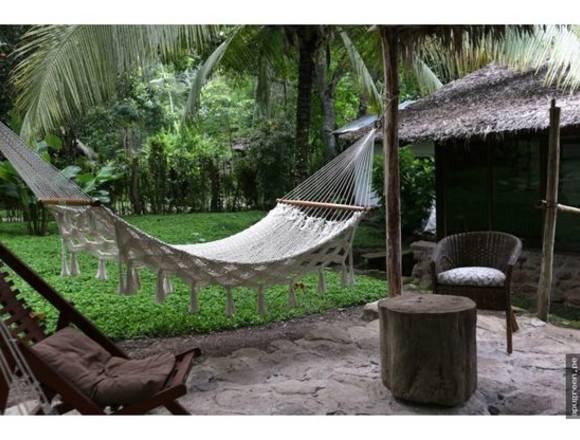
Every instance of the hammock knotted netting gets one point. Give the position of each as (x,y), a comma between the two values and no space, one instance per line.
(24,390)
(310,228)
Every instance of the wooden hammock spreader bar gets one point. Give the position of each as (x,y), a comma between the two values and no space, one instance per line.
(70,202)
(310,204)
(562,208)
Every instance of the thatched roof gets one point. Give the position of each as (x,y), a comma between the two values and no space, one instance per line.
(493,100)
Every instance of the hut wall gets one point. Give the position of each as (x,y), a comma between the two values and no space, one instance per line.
(495,184)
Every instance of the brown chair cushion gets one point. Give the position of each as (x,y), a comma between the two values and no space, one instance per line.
(106,379)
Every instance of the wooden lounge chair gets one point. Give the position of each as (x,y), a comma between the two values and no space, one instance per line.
(27,329)
(478,265)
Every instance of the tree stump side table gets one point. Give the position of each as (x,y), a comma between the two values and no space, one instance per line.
(428,348)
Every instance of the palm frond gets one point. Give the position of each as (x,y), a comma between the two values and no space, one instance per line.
(263,89)
(366,82)
(426,79)
(553,48)
(65,69)
(203,73)
(253,50)
(557,48)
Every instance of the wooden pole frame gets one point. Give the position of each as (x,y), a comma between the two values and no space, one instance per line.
(312,204)
(390,43)
(561,208)
(69,202)
(550,215)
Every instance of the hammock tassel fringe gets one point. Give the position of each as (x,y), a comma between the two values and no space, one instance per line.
(64,267)
(160,287)
(193,300)
(74,265)
(133,283)
(351,281)
(230,308)
(102,271)
(321,282)
(291,295)
(261,303)
(344,275)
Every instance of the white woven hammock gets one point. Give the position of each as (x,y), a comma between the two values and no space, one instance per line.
(311,228)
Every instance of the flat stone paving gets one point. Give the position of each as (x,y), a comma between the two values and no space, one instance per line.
(330,365)
(334,369)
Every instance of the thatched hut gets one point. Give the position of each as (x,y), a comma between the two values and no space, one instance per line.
(489,131)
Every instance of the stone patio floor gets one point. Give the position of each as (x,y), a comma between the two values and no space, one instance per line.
(329,364)
(334,369)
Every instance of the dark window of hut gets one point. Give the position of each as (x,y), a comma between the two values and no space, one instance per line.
(517,187)
(568,226)
(467,197)
(495,184)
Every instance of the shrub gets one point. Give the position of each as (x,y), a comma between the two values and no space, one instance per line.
(272,156)
(417,187)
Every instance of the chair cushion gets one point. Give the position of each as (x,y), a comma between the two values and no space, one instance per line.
(107,380)
(472,276)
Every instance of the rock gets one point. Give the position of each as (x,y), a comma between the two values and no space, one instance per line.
(203,380)
(298,387)
(371,311)
(493,410)
(325,333)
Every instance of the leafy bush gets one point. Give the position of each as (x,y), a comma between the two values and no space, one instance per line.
(270,161)
(417,187)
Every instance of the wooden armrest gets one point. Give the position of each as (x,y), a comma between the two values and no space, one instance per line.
(183,364)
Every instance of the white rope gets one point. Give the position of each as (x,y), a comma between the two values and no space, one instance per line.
(19,375)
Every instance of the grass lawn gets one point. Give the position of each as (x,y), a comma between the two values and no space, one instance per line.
(135,316)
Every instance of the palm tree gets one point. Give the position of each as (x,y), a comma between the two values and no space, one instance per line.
(63,70)
(268,52)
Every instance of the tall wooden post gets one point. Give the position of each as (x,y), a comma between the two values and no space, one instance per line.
(550,215)
(390,40)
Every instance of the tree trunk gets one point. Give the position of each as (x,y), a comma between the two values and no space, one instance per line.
(308,42)
(134,186)
(326,89)
(216,190)
(390,40)
(36,216)
(428,348)
(363,105)
(545,283)
(134,172)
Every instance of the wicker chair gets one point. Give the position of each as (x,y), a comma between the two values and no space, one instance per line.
(484,250)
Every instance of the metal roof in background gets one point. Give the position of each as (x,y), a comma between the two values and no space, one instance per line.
(365,121)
